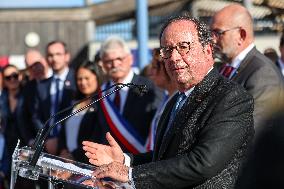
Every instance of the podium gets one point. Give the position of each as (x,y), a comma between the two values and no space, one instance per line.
(32,163)
(57,170)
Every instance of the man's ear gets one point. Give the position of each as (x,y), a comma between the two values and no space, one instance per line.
(243,34)
(208,49)
(67,57)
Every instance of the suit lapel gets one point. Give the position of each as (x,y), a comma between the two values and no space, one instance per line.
(162,125)
(199,93)
(68,87)
(132,94)
(244,65)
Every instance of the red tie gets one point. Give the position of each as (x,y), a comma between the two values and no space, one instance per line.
(117,100)
(227,70)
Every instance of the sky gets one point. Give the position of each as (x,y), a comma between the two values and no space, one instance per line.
(43,3)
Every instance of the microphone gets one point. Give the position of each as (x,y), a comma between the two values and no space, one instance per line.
(44,132)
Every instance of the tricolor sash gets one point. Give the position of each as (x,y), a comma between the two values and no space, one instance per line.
(121,128)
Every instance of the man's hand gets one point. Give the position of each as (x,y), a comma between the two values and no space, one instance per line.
(99,154)
(114,170)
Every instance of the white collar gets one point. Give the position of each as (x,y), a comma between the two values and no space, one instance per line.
(127,79)
(63,75)
(241,56)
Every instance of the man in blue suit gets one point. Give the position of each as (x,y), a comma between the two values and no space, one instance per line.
(55,93)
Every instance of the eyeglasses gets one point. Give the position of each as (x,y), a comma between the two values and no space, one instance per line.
(182,48)
(110,61)
(218,32)
(14,76)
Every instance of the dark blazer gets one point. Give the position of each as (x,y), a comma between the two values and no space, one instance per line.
(42,104)
(265,165)
(139,110)
(207,142)
(261,78)
(15,124)
(88,131)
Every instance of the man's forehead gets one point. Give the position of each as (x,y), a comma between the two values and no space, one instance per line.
(179,31)
(114,52)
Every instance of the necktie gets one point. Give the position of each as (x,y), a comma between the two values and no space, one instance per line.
(57,95)
(227,70)
(180,100)
(55,130)
(117,100)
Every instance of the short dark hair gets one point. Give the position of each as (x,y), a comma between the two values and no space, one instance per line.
(91,66)
(204,34)
(57,41)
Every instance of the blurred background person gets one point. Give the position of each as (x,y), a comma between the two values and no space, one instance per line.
(37,70)
(127,109)
(12,109)
(146,71)
(101,72)
(5,159)
(280,61)
(55,93)
(271,54)
(158,74)
(232,29)
(37,66)
(81,126)
(1,81)
(156,71)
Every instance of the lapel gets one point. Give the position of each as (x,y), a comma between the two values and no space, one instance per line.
(131,97)
(199,93)
(243,66)
(162,125)
(68,88)
(45,93)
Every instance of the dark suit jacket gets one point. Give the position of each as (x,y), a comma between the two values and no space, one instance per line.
(265,165)
(139,110)
(15,123)
(42,104)
(205,145)
(261,78)
(88,131)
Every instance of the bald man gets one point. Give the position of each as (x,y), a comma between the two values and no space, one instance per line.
(37,66)
(233,35)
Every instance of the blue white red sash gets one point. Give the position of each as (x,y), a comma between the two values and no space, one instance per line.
(124,132)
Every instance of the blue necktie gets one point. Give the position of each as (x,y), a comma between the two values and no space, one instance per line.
(55,130)
(180,101)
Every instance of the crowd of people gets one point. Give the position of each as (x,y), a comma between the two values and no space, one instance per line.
(198,125)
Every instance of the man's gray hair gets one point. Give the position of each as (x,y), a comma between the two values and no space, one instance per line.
(112,43)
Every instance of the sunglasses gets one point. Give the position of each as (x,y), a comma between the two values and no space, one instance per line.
(14,76)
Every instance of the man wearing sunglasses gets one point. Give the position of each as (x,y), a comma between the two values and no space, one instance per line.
(232,29)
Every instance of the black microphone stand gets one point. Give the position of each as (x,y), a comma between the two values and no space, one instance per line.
(44,132)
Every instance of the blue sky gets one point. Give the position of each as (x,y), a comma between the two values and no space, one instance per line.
(42,3)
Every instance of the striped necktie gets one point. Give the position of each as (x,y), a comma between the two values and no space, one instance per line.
(117,100)
(227,71)
(179,102)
